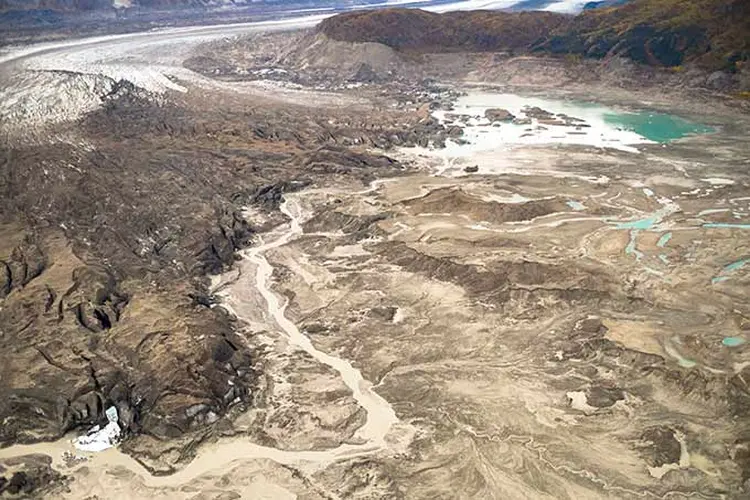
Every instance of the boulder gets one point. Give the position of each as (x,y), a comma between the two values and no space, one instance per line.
(719,80)
(538,113)
(365,74)
(498,115)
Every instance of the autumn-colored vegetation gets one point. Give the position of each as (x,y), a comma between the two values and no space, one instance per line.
(712,33)
(411,29)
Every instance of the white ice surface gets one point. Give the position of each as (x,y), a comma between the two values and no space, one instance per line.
(98,438)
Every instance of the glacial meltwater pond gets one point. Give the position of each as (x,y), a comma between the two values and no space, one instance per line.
(657,127)
(534,120)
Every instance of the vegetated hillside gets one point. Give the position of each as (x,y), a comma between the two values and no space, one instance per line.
(714,33)
(603,3)
(412,29)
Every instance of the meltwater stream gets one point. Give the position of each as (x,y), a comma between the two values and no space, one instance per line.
(380,414)
(227,452)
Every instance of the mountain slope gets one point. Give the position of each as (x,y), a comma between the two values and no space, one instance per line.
(714,33)
(663,32)
(411,29)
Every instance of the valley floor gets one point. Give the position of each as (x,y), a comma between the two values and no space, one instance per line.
(410,315)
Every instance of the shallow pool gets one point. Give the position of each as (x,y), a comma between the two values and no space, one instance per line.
(733,341)
(657,127)
(664,240)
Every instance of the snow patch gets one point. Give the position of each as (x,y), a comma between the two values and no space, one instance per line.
(578,401)
(718,181)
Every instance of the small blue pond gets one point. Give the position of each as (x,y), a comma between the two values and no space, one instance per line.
(729,268)
(575,205)
(733,341)
(646,223)
(664,240)
(658,127)
(736,265)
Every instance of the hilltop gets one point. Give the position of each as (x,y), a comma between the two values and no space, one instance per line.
(712,33)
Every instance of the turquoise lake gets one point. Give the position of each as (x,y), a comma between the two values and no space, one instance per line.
(658,127)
